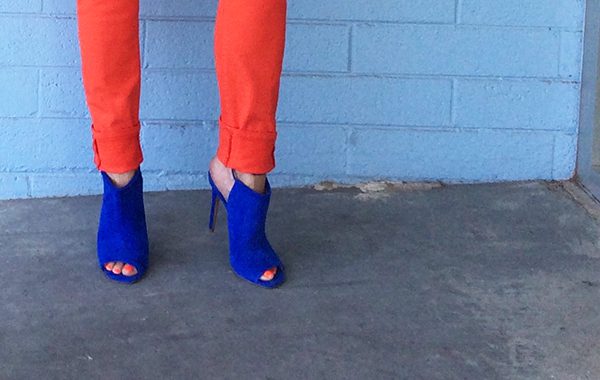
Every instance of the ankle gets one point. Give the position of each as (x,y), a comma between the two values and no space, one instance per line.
(121,179)
(254,181)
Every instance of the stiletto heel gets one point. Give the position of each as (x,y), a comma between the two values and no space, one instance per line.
(250,253)
(214,211)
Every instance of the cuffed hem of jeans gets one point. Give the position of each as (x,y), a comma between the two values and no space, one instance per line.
(117,152)
(247,151)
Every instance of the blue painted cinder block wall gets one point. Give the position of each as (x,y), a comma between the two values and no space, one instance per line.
(452,90)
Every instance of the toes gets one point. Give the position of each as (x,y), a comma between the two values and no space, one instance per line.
(129,270)
(117,268)
(269,274)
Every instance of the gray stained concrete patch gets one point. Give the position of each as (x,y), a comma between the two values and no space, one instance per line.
(487,281)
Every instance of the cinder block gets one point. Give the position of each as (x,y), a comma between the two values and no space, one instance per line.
(61,93)
(456,155)
(31,145)
(439,11)
(571,51)
(65,184)
(316,47)
(564,13)
(364,100)
(19,92)
(451,50)
(61,7)
(164,181)
(178,8)
(565,156)
(517,104)
(178,147)
(177,44)
(13,186)
(21,6)
(39,41)
(179,95)
(310,149)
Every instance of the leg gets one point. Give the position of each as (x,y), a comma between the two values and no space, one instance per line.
(249,50)
(109,42)
(110,65)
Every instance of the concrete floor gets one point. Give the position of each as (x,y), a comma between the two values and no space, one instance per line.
(488,281)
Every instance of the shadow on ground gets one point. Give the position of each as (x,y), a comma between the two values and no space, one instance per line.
(488,281)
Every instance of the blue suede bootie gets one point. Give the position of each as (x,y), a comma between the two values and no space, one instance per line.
(122,233)
(250,253)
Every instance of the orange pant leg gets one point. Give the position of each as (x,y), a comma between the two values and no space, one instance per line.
(110,56)
(249,49)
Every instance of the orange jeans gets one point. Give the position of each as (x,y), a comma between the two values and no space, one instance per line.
(249,41)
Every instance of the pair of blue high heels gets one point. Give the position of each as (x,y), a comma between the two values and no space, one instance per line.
(123,236)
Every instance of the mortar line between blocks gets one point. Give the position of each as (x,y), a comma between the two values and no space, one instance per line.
(350,32)
(39,94)
(327,74)
(28,182)
(348,130)
(457,11)
(182,18)
(453,102)
(159,123)
(552,170)
(559,58)
(144,43)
